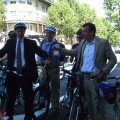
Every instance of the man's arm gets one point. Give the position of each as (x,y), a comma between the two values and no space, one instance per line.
(64,51)
(41,52)
(111,58)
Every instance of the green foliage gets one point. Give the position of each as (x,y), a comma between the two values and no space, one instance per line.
(69,16)
(63,17)
(2,14)
(112,9)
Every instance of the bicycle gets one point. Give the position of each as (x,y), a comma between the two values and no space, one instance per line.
(72,98)
(116,105)
(110,91)
(3,87)
(42,96)
(69,94)
(77,110)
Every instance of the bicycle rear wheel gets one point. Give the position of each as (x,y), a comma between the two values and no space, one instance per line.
(41,109)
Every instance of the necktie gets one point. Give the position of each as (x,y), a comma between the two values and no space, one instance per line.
(19,59)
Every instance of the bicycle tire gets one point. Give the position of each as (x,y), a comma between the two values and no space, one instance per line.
(73,110)
(40,112)
(117,111)
(69,100)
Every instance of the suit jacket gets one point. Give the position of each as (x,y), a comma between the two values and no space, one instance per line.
(104,58)
(30,49)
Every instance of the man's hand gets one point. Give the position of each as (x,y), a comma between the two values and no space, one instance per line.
(56,48)
(56,56)
(99,76)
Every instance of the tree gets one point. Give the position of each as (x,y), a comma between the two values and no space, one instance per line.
(63,17)
(2,14)
(112,9)
(69,16)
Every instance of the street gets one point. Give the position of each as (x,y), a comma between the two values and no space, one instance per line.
(19,111)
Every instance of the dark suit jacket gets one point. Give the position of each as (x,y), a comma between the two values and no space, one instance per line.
(30,49)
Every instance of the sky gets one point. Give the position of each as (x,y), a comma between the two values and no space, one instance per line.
(95,4)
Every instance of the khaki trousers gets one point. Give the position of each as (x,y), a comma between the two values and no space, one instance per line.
(53,75)
(95,104)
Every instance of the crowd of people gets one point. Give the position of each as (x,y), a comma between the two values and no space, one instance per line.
(93,58)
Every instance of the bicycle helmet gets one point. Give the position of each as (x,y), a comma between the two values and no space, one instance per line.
(20,25)
(79,32)
(108,91)
(12,34)
(50,28)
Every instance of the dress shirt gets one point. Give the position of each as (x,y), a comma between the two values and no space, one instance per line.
(88,58)
(46,47)
(22,53)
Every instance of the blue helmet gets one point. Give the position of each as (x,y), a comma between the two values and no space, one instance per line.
(107,91)
(50,28)
(20,25)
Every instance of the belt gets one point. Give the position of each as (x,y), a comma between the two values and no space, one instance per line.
(22,70)
(88,74)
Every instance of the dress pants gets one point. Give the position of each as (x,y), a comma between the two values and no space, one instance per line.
(95,104)
(53,75)
(13,82)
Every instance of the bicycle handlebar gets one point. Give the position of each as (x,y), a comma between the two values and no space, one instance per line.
(70,72)
(114,77)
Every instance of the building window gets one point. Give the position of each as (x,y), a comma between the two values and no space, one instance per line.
(31,27)
(13,13)
(36,5)
(5,2)
(22,1)
(29,2)
(12,1)
(43,8)
(36,28)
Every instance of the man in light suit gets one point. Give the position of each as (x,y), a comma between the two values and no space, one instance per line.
(95,60)
(22,69)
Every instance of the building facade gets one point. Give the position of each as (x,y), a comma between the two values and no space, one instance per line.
(32,12)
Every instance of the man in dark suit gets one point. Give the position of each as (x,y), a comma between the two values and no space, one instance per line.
(21,69)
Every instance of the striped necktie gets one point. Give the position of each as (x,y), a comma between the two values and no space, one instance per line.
(19,59)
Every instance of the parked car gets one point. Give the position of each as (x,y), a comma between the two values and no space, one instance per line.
(117,51)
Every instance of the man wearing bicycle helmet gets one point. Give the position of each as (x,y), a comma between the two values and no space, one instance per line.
(79,38)
(52,67)
(21,69)
(12,34)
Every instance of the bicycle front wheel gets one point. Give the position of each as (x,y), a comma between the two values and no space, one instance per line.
(73,110)
(40,109)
